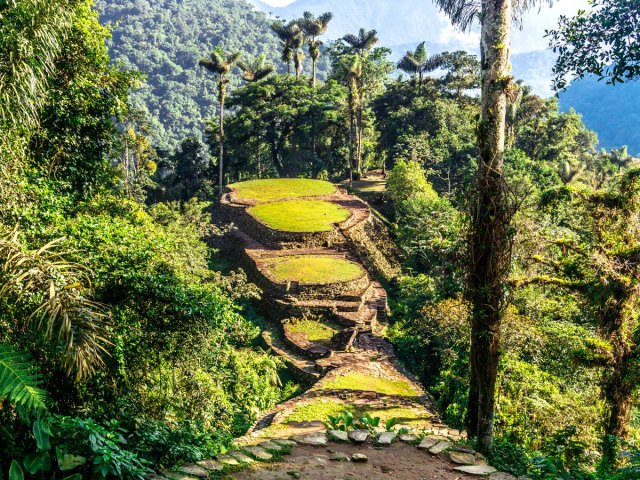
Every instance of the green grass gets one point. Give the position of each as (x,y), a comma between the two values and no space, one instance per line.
(315,330)
(358,381)
(321,409)
(300,215)
(314,269)
(280,188)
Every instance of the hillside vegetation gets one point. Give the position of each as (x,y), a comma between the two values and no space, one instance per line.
(165,39)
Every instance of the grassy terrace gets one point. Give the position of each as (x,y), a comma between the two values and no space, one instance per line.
(314,269)
(300,215)
(357,381)
(315,330)
(281,188)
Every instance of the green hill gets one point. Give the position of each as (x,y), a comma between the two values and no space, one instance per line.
(613,111)
(165,39)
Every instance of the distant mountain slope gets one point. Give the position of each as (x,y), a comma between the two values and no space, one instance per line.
(398,22)
(611,110)
(165,39)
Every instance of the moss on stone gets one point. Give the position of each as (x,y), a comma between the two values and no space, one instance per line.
(280,188)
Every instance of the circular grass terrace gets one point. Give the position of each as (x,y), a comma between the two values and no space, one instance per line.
(300,216)
(269,190)
(313,269)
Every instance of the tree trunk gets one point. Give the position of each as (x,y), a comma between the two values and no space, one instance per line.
(619,324)
(489,246)
(221,155)
(352,135)
(313,72)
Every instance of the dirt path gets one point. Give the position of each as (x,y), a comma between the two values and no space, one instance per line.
(397,462)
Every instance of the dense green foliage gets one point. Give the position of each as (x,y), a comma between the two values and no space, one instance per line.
(164,40)
(123,348)
(120,347)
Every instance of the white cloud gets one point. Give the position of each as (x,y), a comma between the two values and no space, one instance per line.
(278,3)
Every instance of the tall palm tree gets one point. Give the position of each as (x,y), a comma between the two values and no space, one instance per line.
(354,74)
(489,239)
(256,70)
(418,63)
(361,45)
(291,39)
(312,28)
(220,63)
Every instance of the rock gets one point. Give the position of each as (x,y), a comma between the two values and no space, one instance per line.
(284,443)
(314,439)
(476,469)
(359,436)
(259,453)
(359,457)
(241,457)
(386,438)
(462,458)
(193,469)
(338,435)
(428,442)
(460,448)
(211,465)
(271,447)
(408,437)
(175,475)
(227,460)
(294,474)
(339,457)
(502,476)
(440,447)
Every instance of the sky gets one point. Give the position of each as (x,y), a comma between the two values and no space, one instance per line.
(530,39)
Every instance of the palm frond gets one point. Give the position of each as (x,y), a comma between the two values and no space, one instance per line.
(18,382)
(55,292)
(462,13)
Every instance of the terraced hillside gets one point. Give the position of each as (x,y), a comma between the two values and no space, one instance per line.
(328,314)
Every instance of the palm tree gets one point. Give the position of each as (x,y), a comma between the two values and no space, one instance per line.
(312,28)
(220,63)
(418,63)
(53,294)
(291,39)
(361,45)
(354,74)
(256,70)
(489,239)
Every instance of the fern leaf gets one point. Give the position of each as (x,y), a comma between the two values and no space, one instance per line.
(18,382)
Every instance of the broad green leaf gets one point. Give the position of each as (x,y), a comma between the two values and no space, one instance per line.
(37,462)
(41,432)
(15,471)
(69,462)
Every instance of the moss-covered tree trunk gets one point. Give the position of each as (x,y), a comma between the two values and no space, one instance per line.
(489,247)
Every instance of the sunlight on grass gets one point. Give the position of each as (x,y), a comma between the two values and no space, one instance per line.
(281,188)
(300,215)
(315,330)
(319,410)
(358,381)
(318,269)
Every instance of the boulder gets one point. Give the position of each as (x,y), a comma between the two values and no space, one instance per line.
(386,438)
(476,469)
(359,436)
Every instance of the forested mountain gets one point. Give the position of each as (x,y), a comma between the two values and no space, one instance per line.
(612,111)
(165,39)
